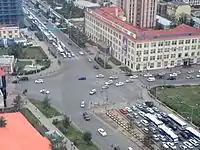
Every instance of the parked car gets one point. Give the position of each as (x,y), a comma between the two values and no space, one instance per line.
(82,78)
(102,132)
(82,104)
(23,79)
(96,67)
(93,91)
(86,116)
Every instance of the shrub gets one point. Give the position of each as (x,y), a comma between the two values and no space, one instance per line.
(125,69)
(55,121)
(101,63)
(115,61)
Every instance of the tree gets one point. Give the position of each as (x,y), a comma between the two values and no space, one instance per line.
(2,122)
(87,136)
(18,103)
(66,121)
(46,102)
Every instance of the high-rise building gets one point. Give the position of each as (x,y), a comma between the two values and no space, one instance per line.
(11,12)
(140,13)
(192,2)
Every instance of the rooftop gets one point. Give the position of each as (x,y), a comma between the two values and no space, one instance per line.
(6,59)
(109,13)
(86,4)
(20,135)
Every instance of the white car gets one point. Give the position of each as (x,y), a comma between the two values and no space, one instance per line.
(171,145)
(190,71)
(44,91)
(164,145)
(89,60)
(173,74)
(109,82)
(130,148)
(194,142)
(150,110)
(148,75)
(119,83)
(81,53)
(198,75)
(128,109)
(39,81)
(114,77)
(99,76)
(102,132)
(155,137)
(134,77)
(105,87)
(93,91)
(129,81)
(151,79)
(73,55)
(82,104)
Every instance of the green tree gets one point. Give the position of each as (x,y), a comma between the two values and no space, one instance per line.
(66,121)
(87,136)
(3,122)
(46,102)
(18,103)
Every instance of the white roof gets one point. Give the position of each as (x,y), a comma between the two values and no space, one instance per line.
(175,118)
(168,131)
(153,119)
(163,21)
(6,59)
(193,131)
(195,19)
(85,4)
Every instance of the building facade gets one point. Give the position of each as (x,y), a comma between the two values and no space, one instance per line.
(9,32)
(192,2)
(162,9)
(141,49)
(11,12)
(140,13)
(7,63)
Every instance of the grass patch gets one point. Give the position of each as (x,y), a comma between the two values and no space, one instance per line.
(100,61)
(22,64)
(48,112)
(33,121)
(76,137)
(34,53)
(115,61)
(182,99)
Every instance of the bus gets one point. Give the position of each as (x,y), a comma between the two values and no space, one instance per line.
(178,121)
(168,131)
(193,132)
(153,119)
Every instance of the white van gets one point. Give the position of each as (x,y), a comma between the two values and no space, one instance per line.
(151,79)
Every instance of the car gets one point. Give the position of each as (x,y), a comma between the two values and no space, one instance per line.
(129,81)
(172,126)
(129,116)
(183,147)
(194,142)
(134,77)
(123,110)
(164,145)
(188,144)
(155,109)
(39,81)
(86,116)
(178,72)
(69,43)
(89,60)
(190,77)
(93,91)
(163,114)
(82,78)
(73,55)
(150,110)
(119,84)
(99,76)
(155,137)
(171,78)
(190,71)
(146,130)
(44,91)
(162,138)
(113,77)
(134,108)
(138,124)
(171,145)
(153,130)
(145,122)
(148,75)
(105,87)
(82,104)
(23,79)
(96,67)
(198,75)
(128,74)
(135,115)
(15,81)
(151,79)
(81,53)
(102,132)
(130,148)
(109,82)
(139,106)
(128,109)
(158,116)
(173,74)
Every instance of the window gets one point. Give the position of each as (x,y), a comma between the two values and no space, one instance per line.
(194,47)
(158,64)
(138,53)
(172,63)
(180,48)
(194,40)
(187,48)
(138,59)
(160,44)
(153,51)
(187,41)
(139,45)
(167,43)
(166,63)
(174,42)
(167,49)
(160,50)
(10,32)
(151,65)
(145,58)
(173,55)
(179,55)
(153,44)
(181,42)
(166,56)
(146,52)
(186,54)
(193,53)
(198,53)
(159,57)
(152,57)
(146,45)
(132,58)
(173,49)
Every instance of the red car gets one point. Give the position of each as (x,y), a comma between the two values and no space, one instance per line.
(123,111)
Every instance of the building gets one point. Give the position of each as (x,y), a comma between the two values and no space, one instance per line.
(7,63)
(9,32)
(85,4)
(11,12)
(140,13)
(163,23)
(143,49)
(162,9)
(177,9)
(192,2)
(19,134)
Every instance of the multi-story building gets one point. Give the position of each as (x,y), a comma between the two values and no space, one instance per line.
(7,63)
(192,2)
(9,32)
(162,9)
(11,12)
(143,49)
(140,13)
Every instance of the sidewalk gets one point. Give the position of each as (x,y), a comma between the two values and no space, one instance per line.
(48,124)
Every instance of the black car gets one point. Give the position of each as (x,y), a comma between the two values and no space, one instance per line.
(23,79)
(128,74)
(15,81)
(86,116)
(171,78)
(96,67)
(172,126)
(184,135)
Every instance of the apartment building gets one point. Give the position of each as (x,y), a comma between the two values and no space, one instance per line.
(9,32)
(192,2)
(140,13)
(143,49)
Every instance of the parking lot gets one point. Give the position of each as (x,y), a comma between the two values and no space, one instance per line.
(167,131)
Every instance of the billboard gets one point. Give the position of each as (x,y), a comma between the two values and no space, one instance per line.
(124,45)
